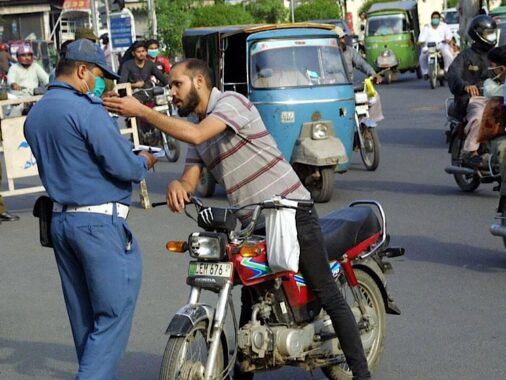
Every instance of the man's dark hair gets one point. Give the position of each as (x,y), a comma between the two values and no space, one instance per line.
(435,13)
(138,44)
(498,55)
(152,42)
(67,66)
(194,66)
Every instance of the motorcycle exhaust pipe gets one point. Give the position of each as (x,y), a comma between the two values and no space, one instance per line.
(459,170)
(498,230)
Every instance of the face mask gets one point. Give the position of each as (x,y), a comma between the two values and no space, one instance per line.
(99,86)
(435,21)
(491,88)
(153,53)
(492,37)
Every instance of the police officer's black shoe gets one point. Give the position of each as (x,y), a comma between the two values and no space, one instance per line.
(6,217)
(425,76)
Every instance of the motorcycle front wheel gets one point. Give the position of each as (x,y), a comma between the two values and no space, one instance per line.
(372,333)
(185,357)
(171,147)
(433,76)
(370,152)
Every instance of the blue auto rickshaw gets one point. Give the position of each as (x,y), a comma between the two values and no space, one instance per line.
(296,77)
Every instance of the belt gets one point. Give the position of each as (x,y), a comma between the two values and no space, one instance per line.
(105,208)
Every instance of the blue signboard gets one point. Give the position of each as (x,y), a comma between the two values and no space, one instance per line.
(121,30)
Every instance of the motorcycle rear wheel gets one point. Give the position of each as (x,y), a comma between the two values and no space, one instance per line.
(176,365)
(375,337)
(370,152)
(465,182)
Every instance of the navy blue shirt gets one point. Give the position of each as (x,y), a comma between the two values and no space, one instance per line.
(81,156)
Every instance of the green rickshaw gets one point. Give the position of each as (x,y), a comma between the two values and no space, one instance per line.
(391,37)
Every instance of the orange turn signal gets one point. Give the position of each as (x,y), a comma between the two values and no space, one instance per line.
(250,250)
(176,246)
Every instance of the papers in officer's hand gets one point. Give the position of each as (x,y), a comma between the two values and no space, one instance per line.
(154,150)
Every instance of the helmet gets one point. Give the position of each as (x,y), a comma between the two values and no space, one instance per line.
(340,32)
(483,31)
(25,50)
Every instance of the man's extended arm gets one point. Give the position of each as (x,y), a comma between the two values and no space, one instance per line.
(361,64)
(178,128)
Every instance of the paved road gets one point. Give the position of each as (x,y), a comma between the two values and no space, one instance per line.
(450,285)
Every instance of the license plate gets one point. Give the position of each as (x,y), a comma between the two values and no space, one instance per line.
(197,269)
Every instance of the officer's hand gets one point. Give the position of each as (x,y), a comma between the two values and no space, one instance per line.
(150,159)
(127,106)
(177,196)
(378,79)
(472,90)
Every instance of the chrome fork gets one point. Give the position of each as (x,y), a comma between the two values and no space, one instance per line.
(217,329)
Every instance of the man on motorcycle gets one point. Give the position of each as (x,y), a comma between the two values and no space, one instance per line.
(353,60)
(231,140)
(138,71)
(465,79)
(25,76)
(440,33)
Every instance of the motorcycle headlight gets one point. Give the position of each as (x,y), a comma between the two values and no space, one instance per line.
(320,131)
(161,100)
(207,246)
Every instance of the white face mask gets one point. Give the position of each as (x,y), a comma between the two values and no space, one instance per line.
(491,88)
(492,36)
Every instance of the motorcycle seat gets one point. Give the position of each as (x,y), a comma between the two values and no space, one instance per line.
(345,228)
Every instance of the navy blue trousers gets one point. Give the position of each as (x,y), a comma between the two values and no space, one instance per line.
(100,267)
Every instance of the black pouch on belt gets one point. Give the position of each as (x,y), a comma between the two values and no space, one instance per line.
(43,209)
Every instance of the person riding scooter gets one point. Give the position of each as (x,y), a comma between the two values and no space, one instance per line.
(465,78)
(25,76)
(437,32)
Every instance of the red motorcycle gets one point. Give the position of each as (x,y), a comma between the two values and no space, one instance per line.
(288,325)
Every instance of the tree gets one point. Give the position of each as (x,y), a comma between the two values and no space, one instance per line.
(365,7)
(317,10)
(221,14)
(173,18)
(267,11)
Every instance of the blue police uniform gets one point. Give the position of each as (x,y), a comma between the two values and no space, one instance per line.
(84,161)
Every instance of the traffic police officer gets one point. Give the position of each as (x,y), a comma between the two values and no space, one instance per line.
(88,168)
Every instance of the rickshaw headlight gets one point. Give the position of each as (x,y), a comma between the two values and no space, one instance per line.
(320,131)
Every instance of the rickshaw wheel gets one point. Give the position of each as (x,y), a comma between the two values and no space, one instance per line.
(322,188)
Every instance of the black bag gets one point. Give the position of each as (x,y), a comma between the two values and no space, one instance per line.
(43,209)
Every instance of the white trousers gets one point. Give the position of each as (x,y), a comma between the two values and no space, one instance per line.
(447,58)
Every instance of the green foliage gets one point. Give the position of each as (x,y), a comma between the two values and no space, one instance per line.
(173,18)
(452,3)
(317,9)
(267,11)
(221,14)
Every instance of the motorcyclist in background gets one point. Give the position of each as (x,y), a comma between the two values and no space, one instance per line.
(25,76)
(353,60)
(437,32)
(465,78)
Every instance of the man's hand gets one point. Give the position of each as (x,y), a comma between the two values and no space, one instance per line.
(472,90)
(378,79)
(177,196)
(150,159)
(138,84)
(16,87)
(127,106)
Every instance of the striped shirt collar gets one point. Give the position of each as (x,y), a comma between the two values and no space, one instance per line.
(213,99)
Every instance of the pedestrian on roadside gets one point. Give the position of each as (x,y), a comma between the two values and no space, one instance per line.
(231,141)
(87,168)
(5,216)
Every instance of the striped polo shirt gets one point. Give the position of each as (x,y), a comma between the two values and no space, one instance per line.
(244,158)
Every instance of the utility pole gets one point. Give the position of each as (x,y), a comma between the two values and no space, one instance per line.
(292,10)
(94,16)
(152,17)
